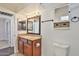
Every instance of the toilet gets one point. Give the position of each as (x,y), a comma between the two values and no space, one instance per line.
(61,49)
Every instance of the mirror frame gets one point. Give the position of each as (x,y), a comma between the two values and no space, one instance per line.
(39,18)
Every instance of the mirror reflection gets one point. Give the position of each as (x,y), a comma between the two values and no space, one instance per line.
(33,25)
(21,25)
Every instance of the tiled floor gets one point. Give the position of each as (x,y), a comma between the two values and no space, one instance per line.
(7,51)
(4,44)
(17,54)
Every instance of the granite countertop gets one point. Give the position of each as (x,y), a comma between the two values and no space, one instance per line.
(30,36)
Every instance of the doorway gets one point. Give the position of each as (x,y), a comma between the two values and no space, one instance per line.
(5,37)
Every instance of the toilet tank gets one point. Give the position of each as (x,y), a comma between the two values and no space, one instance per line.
(61,49)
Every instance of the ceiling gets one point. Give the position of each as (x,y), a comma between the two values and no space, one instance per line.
(15,7)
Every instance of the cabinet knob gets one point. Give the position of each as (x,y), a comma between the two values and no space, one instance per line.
(37,44)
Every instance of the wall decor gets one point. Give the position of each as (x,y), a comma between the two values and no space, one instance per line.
(62,13)
(62,25)
(21,25)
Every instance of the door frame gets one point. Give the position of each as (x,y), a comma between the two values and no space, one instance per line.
(13,30)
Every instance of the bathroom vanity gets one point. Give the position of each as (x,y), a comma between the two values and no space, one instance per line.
(29,45)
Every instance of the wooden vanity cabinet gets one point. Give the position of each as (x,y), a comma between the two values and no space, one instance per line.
(37,49)
(20,45)
(29,47)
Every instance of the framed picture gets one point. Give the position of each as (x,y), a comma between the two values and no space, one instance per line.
(21,25)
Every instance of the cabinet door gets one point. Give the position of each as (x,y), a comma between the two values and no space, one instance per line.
(37,47)
(28,48)
(20,45)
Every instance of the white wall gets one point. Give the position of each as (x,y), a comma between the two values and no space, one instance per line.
(74,38)
(46,31)
(49,34)
(64,36)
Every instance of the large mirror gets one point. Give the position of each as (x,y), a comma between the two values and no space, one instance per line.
(62,13)
(34,25)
